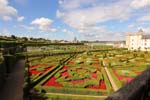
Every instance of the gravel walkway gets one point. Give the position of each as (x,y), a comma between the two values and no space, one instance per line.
(111,79)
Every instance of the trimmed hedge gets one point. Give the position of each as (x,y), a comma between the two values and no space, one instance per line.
(118,83)
(47,74)
(49,44)
(64,97)
(80,91)
(6,44)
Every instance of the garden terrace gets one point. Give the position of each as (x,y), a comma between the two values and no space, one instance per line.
(85,73)
(44,54)
(39,67)
(82,74)
(125,67)
(47,44)
(45,70)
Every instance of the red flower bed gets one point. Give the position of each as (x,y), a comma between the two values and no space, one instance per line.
(129,79)
(95,64)
(65,68)
(94,75)
(48,68)
(42,64)
(31,67)
(118,76)
(101,86)
(52,82)
(65,74)
(79,81)
(138,73)
(34,71)
(71,62)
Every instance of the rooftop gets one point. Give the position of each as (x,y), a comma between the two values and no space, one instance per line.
(146,37)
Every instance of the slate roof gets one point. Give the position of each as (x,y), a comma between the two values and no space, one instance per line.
(146,37)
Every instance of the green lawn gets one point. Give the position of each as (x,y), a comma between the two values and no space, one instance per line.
(64,97)
(126,73)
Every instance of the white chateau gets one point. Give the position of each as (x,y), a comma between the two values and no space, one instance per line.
(138,41)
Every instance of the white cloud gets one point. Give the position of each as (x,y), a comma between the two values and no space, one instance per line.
(85,15)
(60,1)
(19,19)
(146,30)
(71,34)
(64,30)
(68,32)
(7,10)
(88,17)
(7,18)
(43,24)
(5,32)
(82,19)
(140,3)
(53,30)
(105,36)
(28,28)
(59,14)
(131,26)
(144,18)
(75,4)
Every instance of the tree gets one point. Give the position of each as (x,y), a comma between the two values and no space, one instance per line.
(25,39)
(13,36)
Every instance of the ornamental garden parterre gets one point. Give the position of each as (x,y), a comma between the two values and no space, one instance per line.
(83,73)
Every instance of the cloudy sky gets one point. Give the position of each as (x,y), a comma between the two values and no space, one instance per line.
(66,19)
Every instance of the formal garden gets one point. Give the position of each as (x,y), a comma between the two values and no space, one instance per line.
(73,71)
(126,66)
(83,73)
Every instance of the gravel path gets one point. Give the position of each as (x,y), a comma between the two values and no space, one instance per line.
(13,87)
(111,79)
(76,95)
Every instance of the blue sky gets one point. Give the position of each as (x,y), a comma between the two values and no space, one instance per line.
(66,19)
